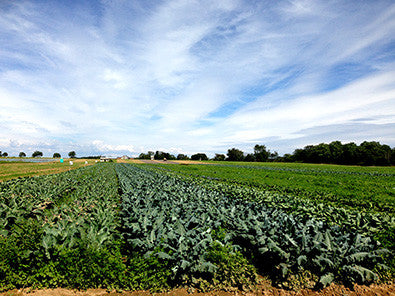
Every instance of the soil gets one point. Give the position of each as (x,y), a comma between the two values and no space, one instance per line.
(262,290)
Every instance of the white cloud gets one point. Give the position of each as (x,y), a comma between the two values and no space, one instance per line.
(101,146)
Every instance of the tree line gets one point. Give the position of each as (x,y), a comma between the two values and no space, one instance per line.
(367,153)
(37,153)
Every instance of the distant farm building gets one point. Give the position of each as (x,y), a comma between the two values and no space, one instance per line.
(105,159)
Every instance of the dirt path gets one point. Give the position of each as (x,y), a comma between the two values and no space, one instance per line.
(332,290)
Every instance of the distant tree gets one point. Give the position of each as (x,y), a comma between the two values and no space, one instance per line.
(164,155)
(5,154)
(144,156)
(22,154)
(159,155)
(37,154)
(199,156)
(182,157)
(72,154)
(219,157)
(273,156)
(235,155)
(336,152)
(260,153)
(249,157)
(350,154)
(56,155)
(373,153)
(287,158)
(368,153)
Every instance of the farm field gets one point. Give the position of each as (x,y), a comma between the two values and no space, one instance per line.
(154,227)
(12,170)
(364,188)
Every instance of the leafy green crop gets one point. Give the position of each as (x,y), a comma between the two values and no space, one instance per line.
(167,212)
(61,230)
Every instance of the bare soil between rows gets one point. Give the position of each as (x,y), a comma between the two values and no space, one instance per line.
(262,290)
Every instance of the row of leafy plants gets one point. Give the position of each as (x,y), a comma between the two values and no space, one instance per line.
(380,225)
(61,230)
(149,229)
(182,224)
(354,191)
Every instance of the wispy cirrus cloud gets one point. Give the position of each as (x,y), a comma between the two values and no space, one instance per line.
(132,76)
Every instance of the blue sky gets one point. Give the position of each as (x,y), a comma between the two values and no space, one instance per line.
(184,76)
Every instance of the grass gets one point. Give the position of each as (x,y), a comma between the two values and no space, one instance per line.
(12,170)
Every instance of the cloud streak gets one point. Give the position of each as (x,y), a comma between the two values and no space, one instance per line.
(193,76)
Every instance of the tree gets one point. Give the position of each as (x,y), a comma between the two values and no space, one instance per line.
(260,153)
(273,156)
(235,155)
(163,155)
(56,155)
(199,156)
(219,157)
(22,154)
(144,156)
(350,153)
(336,149)
(5,154)
(72,154)
(250,157)
(37,154)
(287,158)
(182,157)
(373,153)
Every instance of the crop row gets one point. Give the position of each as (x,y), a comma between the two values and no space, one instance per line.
(75,230)
(60,230)
(359,192)
(176,220)
(307,170)
(379,225)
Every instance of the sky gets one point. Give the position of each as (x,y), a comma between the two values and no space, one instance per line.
(185,76)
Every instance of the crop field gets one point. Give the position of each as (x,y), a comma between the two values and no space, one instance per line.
(141,226)
(12,170)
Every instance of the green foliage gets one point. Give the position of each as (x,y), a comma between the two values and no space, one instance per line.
(178,216)
(22,154)
(71,230)
(37,153)
(160,155)
(233,269)
(260,153)
(368,153)
(72,154)
(235,155)
(182,157)
(56,155)
(199,156)
(61,230)
(148,272)
(219,157)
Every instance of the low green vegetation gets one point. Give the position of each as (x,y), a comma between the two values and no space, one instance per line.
(204,226)
(360,188)
(173,218)
(61,230)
